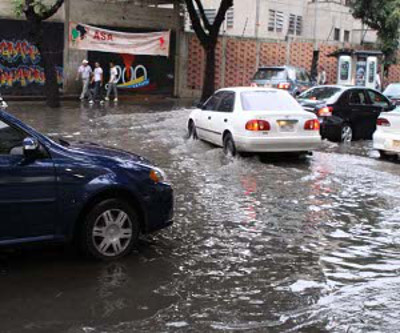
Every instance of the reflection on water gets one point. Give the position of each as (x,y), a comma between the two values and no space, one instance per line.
(260,246)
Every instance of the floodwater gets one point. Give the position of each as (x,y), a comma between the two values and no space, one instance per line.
(275,245)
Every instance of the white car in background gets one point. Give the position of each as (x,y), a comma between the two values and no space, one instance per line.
(387,135)
(256,120)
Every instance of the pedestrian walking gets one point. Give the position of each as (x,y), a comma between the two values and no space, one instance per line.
(321,80)
(85,74)
(112,83)
(378,84)
(98,82)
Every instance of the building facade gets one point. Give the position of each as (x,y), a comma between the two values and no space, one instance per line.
(320,20)
(21,74)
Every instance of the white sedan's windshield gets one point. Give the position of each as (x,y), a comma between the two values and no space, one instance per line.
(392,90)
(268,101)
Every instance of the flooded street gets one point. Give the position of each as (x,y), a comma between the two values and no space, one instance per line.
(276,245)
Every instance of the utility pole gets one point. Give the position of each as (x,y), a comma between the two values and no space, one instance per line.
(257,31)
(314,65)
(66,68)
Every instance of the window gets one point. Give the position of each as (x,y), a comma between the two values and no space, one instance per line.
(230,18)
(357,97)
(345,70)
(346,36)
(276,21)
(295,25)
(336,34)
(377,99)
(227,102)
(212,102)
(393,90)
(268,101)
(301,75)
(210,14)
(320,94)
(371,72)
(10,140)
(270,74)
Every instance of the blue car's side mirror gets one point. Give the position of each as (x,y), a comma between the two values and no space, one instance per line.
(30,146)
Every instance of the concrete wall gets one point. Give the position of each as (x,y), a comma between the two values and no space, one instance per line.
(236,60)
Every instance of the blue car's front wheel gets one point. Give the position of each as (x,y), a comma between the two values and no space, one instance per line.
(111,230)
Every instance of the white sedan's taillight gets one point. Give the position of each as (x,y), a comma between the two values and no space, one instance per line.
(312,125)
(258,125)
(383,122)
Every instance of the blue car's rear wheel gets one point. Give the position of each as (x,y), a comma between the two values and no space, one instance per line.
(111,230)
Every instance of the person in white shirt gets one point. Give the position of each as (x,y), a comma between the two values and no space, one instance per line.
(112,83)
(85,73)
(98,82)
(378,83)
(321,80)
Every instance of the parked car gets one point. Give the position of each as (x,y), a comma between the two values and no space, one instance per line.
(387,135)
(255,120)
(294,80)
(392,92)
(345,113)
(60,191)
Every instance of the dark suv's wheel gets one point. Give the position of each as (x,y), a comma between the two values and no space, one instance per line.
(192,133)
(110,230)
(346,133)
(229,145)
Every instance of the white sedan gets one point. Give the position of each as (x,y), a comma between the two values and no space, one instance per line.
(255,120)
(387,135)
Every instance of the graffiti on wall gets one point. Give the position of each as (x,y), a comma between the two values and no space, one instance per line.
(20,50)
(25,75)
(19,65)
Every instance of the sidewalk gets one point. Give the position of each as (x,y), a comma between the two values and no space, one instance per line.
(124,100)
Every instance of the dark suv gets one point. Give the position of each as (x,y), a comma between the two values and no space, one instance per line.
(59,191)
(345,113)
(294,80)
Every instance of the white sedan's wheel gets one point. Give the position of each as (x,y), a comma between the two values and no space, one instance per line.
(192,133)
(229,145)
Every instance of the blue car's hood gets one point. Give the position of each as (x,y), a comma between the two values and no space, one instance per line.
(96,150)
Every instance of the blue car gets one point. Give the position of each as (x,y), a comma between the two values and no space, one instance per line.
(60,191)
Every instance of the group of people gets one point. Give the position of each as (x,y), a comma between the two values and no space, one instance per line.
(94,78)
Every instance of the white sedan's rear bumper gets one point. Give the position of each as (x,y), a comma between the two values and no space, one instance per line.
(277,144)
(386,142)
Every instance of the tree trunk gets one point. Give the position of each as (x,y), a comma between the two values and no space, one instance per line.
(209,74)
(51,86)
(50,74)
(314,65)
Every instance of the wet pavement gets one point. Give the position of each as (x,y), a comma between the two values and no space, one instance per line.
(274,245)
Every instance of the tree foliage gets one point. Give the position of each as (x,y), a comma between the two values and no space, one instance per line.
(207,33)
(384,17)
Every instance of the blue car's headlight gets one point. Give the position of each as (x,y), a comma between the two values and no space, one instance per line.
(157,175)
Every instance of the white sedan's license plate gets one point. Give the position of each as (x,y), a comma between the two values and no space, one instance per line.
(287,125)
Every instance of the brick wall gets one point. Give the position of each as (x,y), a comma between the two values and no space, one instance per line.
(241,59)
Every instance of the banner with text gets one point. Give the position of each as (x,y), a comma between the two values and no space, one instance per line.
(86,37)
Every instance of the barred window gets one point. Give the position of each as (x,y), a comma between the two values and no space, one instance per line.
(276,21)
(295,25)
(230,18)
